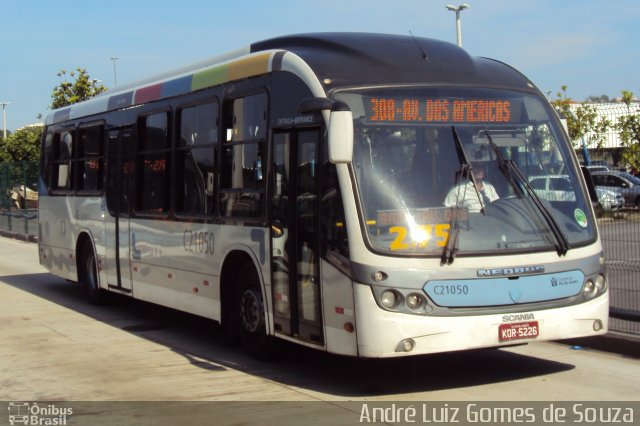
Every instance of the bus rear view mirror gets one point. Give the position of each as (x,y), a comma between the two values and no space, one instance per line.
(340,134)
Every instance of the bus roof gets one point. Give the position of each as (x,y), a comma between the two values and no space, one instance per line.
(336,59)
(348,59)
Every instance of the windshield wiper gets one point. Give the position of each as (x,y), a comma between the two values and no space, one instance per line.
(451,246)
(504,165)
(514,175)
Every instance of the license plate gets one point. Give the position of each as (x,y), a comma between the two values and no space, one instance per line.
(518,331)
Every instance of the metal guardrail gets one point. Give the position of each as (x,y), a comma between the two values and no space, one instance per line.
(624,314)
(19,198)
(620,236)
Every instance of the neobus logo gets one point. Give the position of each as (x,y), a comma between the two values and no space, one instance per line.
(518,270)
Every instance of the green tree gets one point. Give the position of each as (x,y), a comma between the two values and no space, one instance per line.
(23,144)
(583,122)
(78,90)
(628,127)
(2,135)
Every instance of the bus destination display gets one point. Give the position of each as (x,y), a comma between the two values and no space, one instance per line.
(411,110)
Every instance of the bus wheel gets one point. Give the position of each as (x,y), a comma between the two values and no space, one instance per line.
(89,277)
(253,329)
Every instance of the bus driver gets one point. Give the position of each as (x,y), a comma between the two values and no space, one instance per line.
(465,195)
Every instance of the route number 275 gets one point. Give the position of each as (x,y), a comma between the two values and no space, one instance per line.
(419,238)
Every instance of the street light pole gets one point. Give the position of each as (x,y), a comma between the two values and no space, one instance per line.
(115,77)
(457,10)
(4,119)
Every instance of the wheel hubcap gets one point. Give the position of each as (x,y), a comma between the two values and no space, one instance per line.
(251,310)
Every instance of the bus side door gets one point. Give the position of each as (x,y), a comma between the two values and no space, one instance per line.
(120,172)
(295,239)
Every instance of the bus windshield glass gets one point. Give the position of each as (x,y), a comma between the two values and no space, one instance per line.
(490,164)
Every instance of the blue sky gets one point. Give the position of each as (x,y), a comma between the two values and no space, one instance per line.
(592,46)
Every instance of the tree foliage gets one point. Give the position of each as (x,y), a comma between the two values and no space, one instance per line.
(78,90)
(628,127)
(584,123)
(23,144)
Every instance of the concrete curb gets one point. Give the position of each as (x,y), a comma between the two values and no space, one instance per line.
(19,236)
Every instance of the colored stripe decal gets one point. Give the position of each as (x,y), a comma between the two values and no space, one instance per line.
(210,77)
(238,69)
(177,86)
(249,67)
(120,101)
(61,115)
(148,94)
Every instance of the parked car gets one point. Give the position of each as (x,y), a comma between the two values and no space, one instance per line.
(553,187)
(609,200)
(560,188)
(597,168)
(622,182)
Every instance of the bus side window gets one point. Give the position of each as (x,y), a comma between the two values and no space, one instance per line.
(90,159)
(195,160)
(242,185)
(63,144)
(48,156)
(154,152)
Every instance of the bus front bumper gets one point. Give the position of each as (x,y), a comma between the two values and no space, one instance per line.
(383,333)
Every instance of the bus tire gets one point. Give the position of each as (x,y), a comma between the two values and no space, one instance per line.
(251,312)
(89,276)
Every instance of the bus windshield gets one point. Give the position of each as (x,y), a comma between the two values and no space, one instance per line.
(487,167)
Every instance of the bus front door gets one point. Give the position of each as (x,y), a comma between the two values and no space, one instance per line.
(295,242)
(120,169)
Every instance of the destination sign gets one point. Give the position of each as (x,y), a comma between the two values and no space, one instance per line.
(414,110)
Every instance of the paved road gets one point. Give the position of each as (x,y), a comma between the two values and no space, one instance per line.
(54,346)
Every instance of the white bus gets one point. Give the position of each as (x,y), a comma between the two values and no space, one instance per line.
(327,189)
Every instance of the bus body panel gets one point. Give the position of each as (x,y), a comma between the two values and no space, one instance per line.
(380,332)
(61,221)
(178,264)
(413,273)
(171,267)
(339,311)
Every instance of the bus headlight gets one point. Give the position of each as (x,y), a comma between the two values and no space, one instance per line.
(415,301)
(589,289)
(402,300)
(389,299)
(601,283)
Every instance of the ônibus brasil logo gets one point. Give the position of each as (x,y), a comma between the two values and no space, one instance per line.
(32,413)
